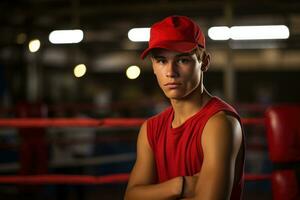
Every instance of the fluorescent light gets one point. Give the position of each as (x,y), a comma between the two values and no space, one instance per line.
(225,33)
(219,33)
(66,36)
(139,34)
(249,32)
(259,32)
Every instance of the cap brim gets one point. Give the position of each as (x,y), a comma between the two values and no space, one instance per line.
(182,47)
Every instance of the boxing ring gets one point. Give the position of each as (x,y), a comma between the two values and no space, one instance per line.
(283,178)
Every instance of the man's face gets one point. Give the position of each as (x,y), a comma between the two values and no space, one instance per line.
(178,74)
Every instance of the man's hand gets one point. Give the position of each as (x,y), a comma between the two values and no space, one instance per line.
(190,185)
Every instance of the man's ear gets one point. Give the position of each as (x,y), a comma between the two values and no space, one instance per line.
(205,61)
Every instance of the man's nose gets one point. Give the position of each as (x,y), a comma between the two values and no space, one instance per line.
(172,70)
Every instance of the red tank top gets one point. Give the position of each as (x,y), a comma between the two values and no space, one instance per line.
(178,151)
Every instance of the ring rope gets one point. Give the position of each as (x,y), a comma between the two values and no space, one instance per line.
(257,177)
(107,122)
(76,162)
(64,179)
(86,179)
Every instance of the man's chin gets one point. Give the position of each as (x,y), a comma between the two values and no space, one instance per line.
(175,97)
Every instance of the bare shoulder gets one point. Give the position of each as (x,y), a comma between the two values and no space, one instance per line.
(223,122)
(143,129)
(223,117)
(142,137)
(224,129)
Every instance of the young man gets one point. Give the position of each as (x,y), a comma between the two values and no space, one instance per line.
(195,148)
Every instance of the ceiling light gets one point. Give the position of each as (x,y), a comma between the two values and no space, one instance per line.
(133,72)
(34,45)
(66,36)
(219,33)
(259,32)
(79,70)
(267,32)
(139,34)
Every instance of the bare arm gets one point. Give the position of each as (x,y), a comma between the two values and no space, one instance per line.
(221,141)
(142,179)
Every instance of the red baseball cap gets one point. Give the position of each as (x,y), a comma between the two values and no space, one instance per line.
(177,33)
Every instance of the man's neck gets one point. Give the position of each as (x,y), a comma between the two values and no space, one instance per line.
(187,107)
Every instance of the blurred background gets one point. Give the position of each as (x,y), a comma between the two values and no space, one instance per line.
(87,79)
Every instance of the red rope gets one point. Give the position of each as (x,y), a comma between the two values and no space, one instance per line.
(98,139)
(123,122)
(108,122)
(253,121)
(64,179)
(257,177)
(63,122)
(85,179)
(40,122)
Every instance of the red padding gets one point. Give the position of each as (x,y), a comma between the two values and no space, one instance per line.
(285,186)
(283,132)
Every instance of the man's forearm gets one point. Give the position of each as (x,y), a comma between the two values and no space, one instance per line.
(170,189)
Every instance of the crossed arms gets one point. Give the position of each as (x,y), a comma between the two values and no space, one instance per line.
(221,142)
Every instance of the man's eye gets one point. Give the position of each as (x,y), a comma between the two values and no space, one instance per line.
(183,60)
(161,61)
